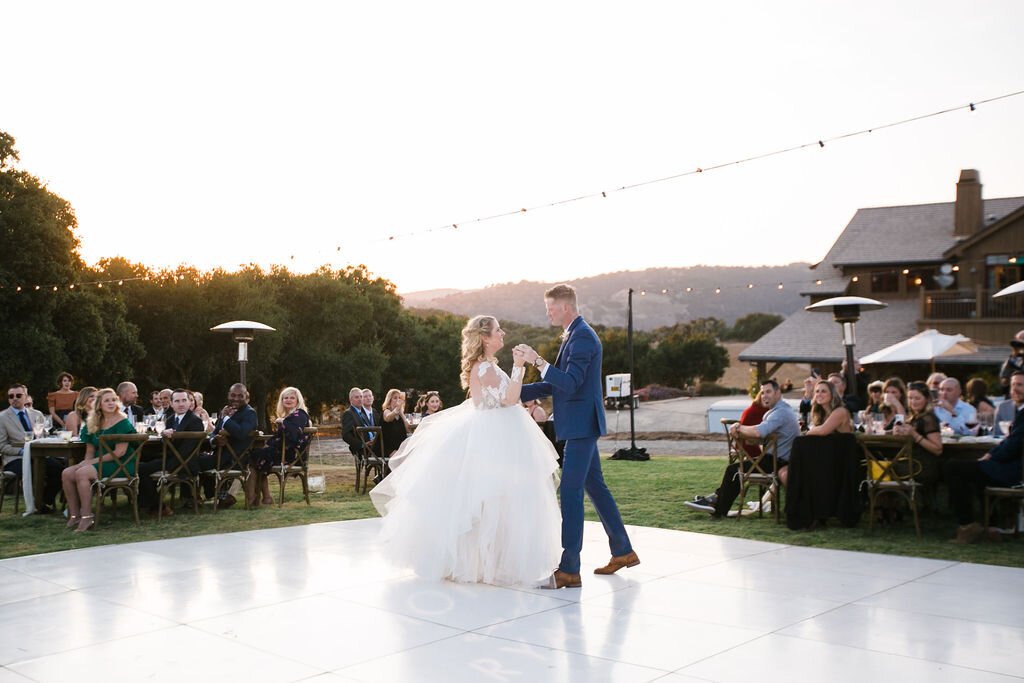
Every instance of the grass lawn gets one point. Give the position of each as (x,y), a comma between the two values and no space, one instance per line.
(648,493)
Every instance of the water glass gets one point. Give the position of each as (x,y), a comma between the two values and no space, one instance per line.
(29,436)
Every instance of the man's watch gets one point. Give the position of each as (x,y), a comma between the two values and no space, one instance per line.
(539,362)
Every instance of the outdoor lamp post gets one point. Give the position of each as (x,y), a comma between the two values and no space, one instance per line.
(846,310)
(242,331)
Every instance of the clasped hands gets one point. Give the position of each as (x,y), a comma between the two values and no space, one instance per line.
(523,353)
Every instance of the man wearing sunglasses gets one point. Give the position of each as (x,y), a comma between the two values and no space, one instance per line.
(15,423)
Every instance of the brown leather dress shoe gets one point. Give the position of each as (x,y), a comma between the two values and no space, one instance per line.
(560,579)
(617,562)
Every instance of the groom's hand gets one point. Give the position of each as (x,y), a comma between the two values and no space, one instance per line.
(529,355)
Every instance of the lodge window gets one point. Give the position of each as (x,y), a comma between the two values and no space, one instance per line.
(885,281)
(1002,270)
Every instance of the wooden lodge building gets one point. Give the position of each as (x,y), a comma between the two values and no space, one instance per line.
(935,265)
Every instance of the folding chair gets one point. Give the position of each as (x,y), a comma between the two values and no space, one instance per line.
(297,468)
(6,478)
(992,495)
(174,467)
(370,458)
(236,467)
(888,474)
(761,470)
(123,478)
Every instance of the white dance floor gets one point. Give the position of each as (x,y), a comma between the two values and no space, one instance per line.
(316,603)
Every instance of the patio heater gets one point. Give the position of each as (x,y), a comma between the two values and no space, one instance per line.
(243,332)
(847,310)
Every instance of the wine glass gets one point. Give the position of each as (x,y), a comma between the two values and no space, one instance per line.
(1004,427)
(38,426)
(158,425)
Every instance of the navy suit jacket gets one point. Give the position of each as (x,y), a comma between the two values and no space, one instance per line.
(239,426)
(1005,464)
(574,383)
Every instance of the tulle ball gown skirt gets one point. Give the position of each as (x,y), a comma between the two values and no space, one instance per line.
(471,498)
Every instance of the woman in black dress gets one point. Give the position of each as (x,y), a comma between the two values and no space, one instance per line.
(396,426)
(292,418)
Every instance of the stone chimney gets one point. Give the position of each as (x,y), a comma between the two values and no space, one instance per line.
(968,215)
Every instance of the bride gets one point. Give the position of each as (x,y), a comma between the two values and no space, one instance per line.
(472,496)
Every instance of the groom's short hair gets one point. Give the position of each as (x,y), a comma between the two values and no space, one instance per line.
(566,293)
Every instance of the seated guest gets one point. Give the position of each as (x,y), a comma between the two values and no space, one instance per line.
(354,417)
(536,411)
(977,396)
(875,397)
(292,418)
(1001,466)
(894,400)
(181,419)
(15,423)
(428,404)
(373,416)
(828,414)
(751,415)
(128,393)
(106,418)
(953,410)
(234,427)
(922,425)
(156,405)
(935,381)
(1007,410)
(200,411)
(75,420)
(838,381)
(395,426)
(780,420)
(62,401)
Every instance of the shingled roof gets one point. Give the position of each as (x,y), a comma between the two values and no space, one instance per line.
(810,337)
(903,235)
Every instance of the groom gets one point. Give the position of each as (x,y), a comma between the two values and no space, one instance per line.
(574,382)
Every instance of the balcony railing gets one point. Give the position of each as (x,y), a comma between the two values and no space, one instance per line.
(970,304)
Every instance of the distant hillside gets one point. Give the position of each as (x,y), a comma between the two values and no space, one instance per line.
(603,297)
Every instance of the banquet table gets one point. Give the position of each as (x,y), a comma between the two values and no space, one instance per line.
(825,474)
(70,452)
(824,479)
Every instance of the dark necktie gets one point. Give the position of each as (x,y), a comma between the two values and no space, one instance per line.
(24,421)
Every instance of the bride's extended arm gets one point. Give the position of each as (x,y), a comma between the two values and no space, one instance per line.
(488,389)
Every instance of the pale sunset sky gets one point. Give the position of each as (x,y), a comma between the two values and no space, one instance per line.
(307,133)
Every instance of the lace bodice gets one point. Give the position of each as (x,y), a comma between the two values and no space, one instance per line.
(491,387)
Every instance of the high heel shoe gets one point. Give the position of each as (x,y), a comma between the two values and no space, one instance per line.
(72,521)
(86,523)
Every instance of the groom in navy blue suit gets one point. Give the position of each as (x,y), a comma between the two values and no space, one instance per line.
(574,383)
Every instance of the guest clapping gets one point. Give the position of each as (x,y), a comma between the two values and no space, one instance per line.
(396,427)
(828,414)
(292,418)
(62,401)
(106,418)
(75,420)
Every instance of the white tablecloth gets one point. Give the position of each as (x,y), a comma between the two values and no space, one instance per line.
(26,473)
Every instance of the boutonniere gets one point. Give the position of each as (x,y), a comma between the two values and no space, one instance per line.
(564,335)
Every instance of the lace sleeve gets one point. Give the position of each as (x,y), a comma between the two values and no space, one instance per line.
(490,387)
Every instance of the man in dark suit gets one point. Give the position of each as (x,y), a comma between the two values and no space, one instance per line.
(574,383)
(128,394)
(353,417)
(1001,466)
(236,423)
(181,420)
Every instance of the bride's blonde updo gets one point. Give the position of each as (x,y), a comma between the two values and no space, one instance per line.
(473,334)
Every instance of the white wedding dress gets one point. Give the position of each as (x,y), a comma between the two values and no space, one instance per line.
(471,496)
